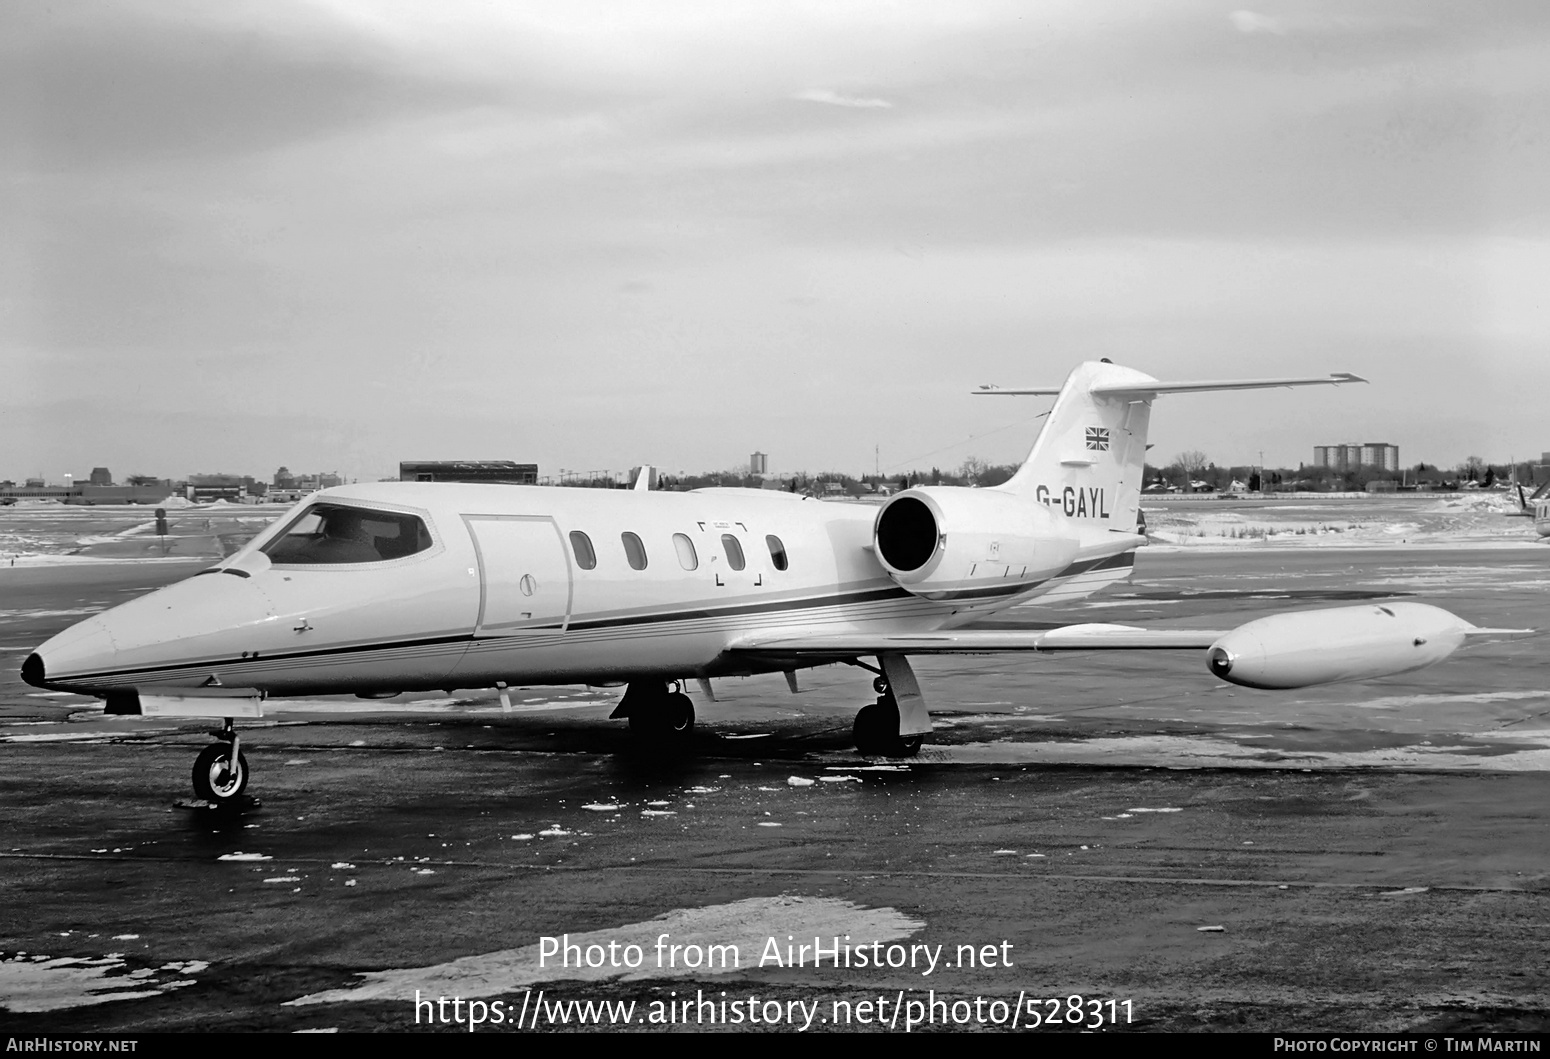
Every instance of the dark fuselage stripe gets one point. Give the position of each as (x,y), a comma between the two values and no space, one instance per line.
(618,624)
(325,653)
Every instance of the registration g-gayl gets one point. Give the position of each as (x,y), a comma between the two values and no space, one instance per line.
(403,586)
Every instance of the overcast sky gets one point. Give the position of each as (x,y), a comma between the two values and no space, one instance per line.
(337,234)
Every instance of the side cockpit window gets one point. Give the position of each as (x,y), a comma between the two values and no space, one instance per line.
(334,534)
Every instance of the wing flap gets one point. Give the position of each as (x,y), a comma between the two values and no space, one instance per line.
(1088,637)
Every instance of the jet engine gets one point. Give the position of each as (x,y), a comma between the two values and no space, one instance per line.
(949,543)
(1302,648)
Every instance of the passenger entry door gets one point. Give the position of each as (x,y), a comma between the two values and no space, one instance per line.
(524,574)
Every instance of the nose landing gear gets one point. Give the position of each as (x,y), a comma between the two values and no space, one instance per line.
(221,769)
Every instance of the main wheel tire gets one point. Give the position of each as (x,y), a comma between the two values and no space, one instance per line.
(668,720)
(877,733)
(215,780)
(678,717)
(876,729)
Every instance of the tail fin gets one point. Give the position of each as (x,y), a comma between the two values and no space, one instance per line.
(1088,460)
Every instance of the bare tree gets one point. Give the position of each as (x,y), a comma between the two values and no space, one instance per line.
(973,467)
(1192,463)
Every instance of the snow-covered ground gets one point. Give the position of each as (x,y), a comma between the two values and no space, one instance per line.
(44,534)
(1305,521)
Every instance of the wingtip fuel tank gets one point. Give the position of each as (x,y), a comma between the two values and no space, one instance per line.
(1303,648)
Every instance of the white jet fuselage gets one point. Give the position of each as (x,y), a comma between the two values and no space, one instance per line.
(504,592)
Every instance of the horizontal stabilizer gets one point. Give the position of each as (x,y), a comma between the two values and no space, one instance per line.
(1151,389)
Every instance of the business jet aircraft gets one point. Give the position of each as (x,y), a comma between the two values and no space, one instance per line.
(392,587)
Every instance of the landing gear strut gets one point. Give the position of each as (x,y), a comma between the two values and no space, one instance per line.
(897,723)
(877,726)
(657,716)
(221,769)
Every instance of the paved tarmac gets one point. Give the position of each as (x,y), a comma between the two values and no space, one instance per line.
(1186,854)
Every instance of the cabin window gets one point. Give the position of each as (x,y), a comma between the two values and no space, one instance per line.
(777,551)
(685,548)
(734,550)
(634,551)
(581,544)
(338,534)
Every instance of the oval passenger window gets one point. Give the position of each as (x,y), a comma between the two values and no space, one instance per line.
(634,550)
(734,551)
(581,544)
(685,548)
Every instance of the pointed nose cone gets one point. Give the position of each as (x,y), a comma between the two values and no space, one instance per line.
(84,647)
(162,638)
(32,671)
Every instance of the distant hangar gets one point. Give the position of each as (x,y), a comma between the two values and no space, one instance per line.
(468,471)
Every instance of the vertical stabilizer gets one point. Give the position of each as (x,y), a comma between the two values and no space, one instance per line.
(1088,461)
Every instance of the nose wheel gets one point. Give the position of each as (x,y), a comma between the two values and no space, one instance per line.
(221,769)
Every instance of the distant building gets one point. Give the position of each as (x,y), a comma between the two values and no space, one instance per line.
(758,463)
(1350,456)
(301,484)
(502,471)
(100,476)
(142,491)
(203,488)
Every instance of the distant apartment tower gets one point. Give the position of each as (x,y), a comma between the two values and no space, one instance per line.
(758,463)
(1350,456)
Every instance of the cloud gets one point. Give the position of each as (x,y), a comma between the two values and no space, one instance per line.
(834,99)
(1250,22)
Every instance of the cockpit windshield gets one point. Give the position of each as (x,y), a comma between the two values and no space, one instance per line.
(335,534)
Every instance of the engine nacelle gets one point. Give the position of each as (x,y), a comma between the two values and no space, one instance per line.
(1302,648)
(950,543)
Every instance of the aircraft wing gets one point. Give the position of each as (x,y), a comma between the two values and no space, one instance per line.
(1292,649)
(1085,637)
(1197,386)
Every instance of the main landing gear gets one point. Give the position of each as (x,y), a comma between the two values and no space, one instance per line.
(658,717)
(877,726)
(221,769)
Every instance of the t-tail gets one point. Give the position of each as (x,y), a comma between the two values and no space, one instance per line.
(1064,525)
(1088,461)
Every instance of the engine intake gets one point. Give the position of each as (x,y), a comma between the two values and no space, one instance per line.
(971,545)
